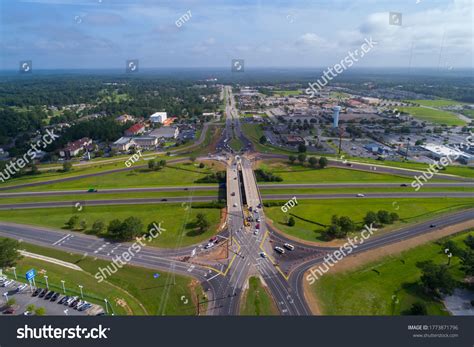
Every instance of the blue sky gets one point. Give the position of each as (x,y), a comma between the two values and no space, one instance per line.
(58,34)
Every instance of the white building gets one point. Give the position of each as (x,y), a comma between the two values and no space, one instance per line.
(440,151)
(124,143)
(158,117)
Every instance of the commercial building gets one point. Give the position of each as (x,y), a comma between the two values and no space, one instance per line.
(158,117)
(74,148)
(123,144)
(135,129)
(165,132)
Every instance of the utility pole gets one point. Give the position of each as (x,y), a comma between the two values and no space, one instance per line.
(408,145)
(341,132)
(197,297)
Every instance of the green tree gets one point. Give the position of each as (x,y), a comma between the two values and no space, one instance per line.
(67,166)
(11,302)
(202,223)
(114,228)
(346,224)
(30,308)
(323,162)
(83,224)
(292,159)
(9,253)
(384,217)
(98,227)
(202,166)
(371,218)
(40,311)
(418,309)
(130,228)
(313,161)
(151,164)
(436,279)
(301,148)
(72,222)
(301,158)
(291,221)
(394,217)
(263,139)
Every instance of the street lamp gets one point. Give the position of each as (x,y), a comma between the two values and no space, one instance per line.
(64,288)
(82,294)
(14,272)
(47,285)
(6,296)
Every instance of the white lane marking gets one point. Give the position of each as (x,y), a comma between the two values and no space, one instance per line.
(61,239)
(213,277)
(191,268)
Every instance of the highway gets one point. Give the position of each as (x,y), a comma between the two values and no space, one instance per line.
(183,199)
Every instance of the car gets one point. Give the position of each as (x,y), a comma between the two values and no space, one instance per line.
(289,246)
(49,295)
(3,278)
(235,204)
(74,303)
(77,304)
(262,254)
(20,288)
(55,297)
(209,245)
(257,226)
(403,185)
(214,239)
(258,220)
(279,250)
(259,205)
(250,208)
(63,300)
(349,164)
(92,190)
(185,188)
(232,194)
(36,292)
(432,225)
(9,310)
(70,300)
(164,199)
(27,313)
(255,232)
(360,195)
(7,283)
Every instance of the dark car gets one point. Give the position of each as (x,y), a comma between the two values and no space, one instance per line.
(164,199)
(9,310)
(92,190)
(403,185)
(63,300)
(74,303)
(43,293)
(55,297)
(36,292)
(49,295)
(432,225)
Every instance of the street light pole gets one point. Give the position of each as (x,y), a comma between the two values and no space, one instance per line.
(47,285)
(14,272)
(82,294)
(64,288)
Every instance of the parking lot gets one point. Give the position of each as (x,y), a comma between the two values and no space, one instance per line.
(25,297)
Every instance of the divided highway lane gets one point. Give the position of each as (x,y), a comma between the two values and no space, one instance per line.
(137,201)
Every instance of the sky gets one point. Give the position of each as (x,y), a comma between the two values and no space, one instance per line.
(59,34)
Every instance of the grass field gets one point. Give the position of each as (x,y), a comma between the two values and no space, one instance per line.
(135,286)
(300,174)
(283,93)
(171,175)
(433,116)
(179,232)
(437,102)
(257,301)
(320,211)
(113,196)
(364,291)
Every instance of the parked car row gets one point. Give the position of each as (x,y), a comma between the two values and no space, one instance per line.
(281,250)
(71,301)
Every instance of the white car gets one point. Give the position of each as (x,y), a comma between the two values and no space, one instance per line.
(360,195)
(289,246)
(255,232)
(280,250)
(209,245)
(263,254)
(235,204)
(7,283)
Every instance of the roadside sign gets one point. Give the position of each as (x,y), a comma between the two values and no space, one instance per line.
(30,274)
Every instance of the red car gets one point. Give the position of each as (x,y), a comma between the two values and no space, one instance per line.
(257,226)
(214,239)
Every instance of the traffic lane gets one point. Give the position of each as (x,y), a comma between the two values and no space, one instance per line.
(363,185)
(371,195)
(66,179)
(109,191)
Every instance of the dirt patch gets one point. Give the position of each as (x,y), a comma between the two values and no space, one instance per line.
(123,303)
(216,165)
(311,299)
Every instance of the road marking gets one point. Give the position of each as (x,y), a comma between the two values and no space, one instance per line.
(191,268)
(61,239)
(213,277)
